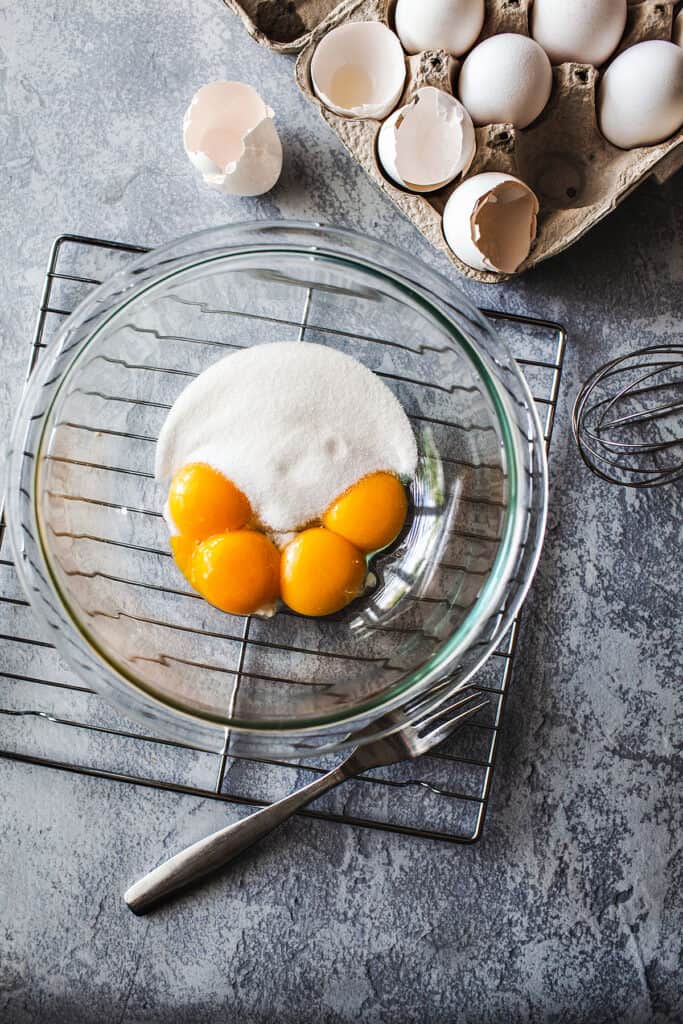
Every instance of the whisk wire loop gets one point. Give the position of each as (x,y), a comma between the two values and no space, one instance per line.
(628,421)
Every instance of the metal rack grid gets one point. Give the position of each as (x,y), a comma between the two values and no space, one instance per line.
(48,718)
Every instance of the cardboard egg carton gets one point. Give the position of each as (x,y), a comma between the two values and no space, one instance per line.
(578,176)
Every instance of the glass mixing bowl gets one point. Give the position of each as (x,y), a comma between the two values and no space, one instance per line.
(84,509)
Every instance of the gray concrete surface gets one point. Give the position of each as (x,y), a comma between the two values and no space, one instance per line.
(569,909)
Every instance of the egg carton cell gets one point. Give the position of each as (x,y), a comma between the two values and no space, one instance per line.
(577,175)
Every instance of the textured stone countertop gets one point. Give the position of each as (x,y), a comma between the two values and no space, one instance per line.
(569,908)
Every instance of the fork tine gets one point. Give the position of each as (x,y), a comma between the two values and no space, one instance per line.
(439,734)
(425,705)
(463,699)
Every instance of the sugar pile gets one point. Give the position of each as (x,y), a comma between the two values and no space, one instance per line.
(292,424)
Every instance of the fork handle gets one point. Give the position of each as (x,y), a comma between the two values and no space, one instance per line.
(218,849)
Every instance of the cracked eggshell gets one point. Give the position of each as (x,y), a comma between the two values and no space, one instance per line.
(490,222)
(427,143)
(584,31)
(359,70)
(507,79)
(229,135)
(640,101)
(678,29)
(452,25)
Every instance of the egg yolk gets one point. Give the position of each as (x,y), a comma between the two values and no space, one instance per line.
(201,502)
(238,572)
(321,572)
(371,513)
(183,549)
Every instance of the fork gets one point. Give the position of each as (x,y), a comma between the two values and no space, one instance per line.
(408,740)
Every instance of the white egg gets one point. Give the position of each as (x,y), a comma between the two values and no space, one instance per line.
(490,222)
(428,143)
(451,25)
(640,101)
(358,69)
(229,136)
(585,31)
(507,79)
(678,29)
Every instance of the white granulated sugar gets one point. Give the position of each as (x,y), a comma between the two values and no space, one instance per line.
(292,424)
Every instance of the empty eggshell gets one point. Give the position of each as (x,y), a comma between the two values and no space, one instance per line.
(451,25)
(490,222)
(678,29)
(507,79)
(358,69)
(428,143)
(586,31)
(229,135)
(641,95)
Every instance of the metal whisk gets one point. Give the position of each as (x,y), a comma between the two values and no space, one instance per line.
(628,418)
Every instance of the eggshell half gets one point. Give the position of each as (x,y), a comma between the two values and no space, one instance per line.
(678,29)
(359,70)
(586,31)
(428,143)
(229,136)
(490,222)
(640,101)
(507,79)
(451,25)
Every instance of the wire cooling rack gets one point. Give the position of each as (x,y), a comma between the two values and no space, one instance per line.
(49,718)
